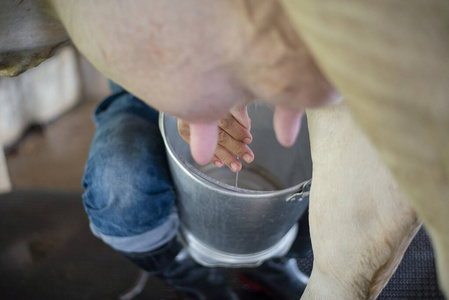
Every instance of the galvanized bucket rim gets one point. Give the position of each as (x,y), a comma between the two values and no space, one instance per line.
(207,181)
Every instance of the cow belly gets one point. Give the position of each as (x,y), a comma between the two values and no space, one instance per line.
(28,36)
(389,59)
(360,223)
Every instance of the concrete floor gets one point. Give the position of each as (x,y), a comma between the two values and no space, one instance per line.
(54,158)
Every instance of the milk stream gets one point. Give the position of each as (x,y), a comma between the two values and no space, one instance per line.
(237,176)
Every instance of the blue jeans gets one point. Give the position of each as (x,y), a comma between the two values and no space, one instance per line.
(129,194)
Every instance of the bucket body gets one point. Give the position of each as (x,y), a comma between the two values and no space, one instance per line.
(225,225)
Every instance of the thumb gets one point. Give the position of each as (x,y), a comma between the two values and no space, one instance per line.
(203,141)
(287,123)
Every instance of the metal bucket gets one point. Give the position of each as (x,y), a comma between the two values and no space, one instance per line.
(224,225)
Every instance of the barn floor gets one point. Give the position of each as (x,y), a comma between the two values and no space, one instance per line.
(47,251)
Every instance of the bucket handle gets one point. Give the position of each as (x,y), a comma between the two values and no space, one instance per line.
(302,193)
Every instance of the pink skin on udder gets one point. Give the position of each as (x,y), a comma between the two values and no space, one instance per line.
(203,141)
(287,123)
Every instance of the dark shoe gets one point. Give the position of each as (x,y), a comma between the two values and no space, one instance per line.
(190,280)
(278,278)
(194,281)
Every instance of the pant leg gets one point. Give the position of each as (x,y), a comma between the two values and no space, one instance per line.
(129,195)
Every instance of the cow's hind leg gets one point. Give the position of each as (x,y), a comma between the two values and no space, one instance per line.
(360,223)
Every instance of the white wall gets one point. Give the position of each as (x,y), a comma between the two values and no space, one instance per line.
(5,183)
(39,95)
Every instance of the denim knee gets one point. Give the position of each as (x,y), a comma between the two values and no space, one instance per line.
(128,188)
(121,204)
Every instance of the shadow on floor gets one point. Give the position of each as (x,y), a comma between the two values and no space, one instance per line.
(47,252)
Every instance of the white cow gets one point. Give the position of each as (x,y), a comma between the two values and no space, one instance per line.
(197,59)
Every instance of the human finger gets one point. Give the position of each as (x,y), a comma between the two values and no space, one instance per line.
(184,130)
(240,113)
(229,159)
(234,146)
(231,126)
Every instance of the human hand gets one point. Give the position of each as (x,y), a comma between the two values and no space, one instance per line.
(233,139)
